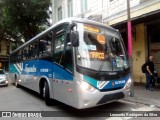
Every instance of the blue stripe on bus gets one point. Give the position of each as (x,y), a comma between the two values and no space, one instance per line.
(107,84)
(61,73)
(13,69)
(91,81)
(43,68)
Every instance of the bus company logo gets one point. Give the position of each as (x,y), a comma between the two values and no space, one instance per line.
(30,69)
(102,84)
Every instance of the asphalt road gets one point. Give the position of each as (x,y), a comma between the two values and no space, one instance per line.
(22,99)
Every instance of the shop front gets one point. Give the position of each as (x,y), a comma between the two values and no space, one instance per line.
(145,42)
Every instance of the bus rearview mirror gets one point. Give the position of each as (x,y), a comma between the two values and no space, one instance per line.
(74,38)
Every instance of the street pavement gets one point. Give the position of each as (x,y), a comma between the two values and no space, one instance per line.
(21,99)
(151,98)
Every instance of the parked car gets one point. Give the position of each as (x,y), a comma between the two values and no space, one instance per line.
(3,78)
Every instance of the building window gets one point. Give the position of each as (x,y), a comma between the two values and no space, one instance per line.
(70,8)
(59,13)
(84,5)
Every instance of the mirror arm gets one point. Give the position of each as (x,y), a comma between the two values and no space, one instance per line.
(72,25)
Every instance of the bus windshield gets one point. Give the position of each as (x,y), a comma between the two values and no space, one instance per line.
(100,49)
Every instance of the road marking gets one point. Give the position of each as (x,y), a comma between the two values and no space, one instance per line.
(144,108)
(123,101)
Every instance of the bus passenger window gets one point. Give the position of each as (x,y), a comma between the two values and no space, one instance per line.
(42,47)
(48,47)
(45,45)
(19,56)
(33,50)
(25,53)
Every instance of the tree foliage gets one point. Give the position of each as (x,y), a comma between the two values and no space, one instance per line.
(23,18)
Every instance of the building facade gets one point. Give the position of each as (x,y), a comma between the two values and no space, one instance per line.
(145,16)
(4,54)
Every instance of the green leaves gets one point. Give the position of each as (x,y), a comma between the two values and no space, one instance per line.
(23,18)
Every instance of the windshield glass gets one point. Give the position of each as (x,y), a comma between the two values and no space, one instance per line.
(100,49)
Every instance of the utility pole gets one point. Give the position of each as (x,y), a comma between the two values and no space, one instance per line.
(130,46)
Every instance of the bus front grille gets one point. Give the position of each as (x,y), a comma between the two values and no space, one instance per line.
(111,97)
(116,77)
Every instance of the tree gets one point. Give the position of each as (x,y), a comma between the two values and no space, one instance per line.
(23,19)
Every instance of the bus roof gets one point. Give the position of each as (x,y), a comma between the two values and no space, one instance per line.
(83,20)
(67,20)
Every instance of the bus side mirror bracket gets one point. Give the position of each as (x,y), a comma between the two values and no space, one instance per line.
(74,35)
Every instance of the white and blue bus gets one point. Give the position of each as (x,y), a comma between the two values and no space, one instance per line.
(79,62)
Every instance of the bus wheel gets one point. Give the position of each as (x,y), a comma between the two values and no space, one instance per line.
(16,84)
(46,94)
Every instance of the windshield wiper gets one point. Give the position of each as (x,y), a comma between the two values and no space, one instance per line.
(100,67)
(102,64)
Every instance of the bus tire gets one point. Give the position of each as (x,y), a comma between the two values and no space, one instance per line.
(46,94)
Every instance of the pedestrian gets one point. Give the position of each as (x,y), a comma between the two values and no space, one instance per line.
(150,78)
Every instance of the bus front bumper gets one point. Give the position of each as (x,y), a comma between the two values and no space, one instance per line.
(89,99)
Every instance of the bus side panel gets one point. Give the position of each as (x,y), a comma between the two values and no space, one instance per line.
(64,91)
(34,70)
(64,86)
(28,73)
(15,70)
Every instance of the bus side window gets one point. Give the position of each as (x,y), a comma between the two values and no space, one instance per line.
(45,45)
(59,48)
(18,56)
(42,47)
(59,34)
(15,57)
(69,57)
(25,53)
(33,50)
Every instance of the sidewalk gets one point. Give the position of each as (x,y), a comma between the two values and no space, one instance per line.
(145,97)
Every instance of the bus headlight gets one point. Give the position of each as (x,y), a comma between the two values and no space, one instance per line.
(128,84)
(86,86)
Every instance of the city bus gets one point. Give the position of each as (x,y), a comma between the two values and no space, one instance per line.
(76,61)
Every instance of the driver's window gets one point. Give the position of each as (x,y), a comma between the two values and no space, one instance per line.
(59,49)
